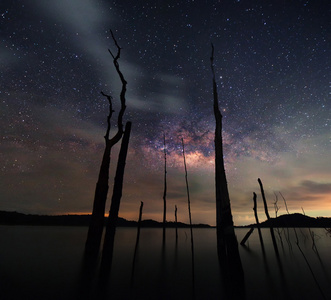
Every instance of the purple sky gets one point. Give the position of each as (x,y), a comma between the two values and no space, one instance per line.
(272,62)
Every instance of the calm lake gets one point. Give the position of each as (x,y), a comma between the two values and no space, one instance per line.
(47,263)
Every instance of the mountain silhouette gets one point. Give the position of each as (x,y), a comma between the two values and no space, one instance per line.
(16,218)
(287,220)
(296,220)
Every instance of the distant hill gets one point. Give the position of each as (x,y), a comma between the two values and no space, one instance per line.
(15,218)
(296,220)
(287,220)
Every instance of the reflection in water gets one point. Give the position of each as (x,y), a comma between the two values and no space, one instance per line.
(55,255)
(137,241)
(308,264)
(261,241)
(193,268)
(87,277)
(231,266)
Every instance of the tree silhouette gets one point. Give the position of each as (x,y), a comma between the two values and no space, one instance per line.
(223,208)
(227,244)
(189,213)
(268,217)
(165,189)
(108,245)
(97,220)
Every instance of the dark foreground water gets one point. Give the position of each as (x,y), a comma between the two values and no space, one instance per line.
(47,263)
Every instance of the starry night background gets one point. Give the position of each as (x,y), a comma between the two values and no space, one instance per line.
(272,62)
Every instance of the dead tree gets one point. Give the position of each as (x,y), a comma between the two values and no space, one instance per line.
(97,219)
(176,224)
(224,219)
(264,199)
(257,225)
(248,234)
(255,210)
(115,202)
(276,205)
(189,213)
(257,222)
(187,189)
(165,189)
(252,228)
(268,217)
(139,220)
(227,244)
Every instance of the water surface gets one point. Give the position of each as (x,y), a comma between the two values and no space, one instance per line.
(39,262)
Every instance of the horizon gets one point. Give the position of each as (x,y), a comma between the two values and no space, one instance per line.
(272,64)
(261,221)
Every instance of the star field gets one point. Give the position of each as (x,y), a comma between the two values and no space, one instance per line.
(272,63)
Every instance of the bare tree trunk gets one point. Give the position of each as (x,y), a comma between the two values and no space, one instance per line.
(140,217)
(108,245)
(255,210)
(268,217)
(187,188)
(176,225)
(94,235)
(190,217)
(224,220)
(264,199)
(227,244)
(257,222)
(248,234)
(165,189)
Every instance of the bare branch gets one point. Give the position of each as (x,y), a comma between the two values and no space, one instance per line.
(110,98)
(117,46)
(264,199)
(187,187)
(276,205)
(255,210)
(284,202)
(97,220)
(119,133)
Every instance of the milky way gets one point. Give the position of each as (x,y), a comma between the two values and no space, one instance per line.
(272,62)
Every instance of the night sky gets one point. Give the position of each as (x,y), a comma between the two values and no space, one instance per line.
(272,63)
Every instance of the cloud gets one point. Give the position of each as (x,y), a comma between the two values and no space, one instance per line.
(50,160)
(316,187)
(155,103)
(85,17)
(155,92)
(85,23)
